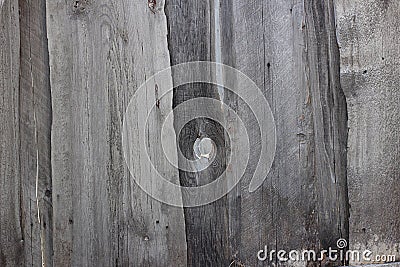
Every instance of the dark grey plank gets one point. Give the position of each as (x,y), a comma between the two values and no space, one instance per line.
(191,37)
(35,125)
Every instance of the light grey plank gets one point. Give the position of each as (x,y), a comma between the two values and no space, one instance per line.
(100,53)
(368,36)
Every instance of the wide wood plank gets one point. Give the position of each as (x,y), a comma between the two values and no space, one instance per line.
(100,53)
(289,49)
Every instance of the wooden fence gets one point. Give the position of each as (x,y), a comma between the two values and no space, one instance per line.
(329,70)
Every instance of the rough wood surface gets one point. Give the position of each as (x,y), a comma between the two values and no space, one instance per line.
(35,125)
(12,224)
(368,36)
(190,38)
(100,53)
(289,49)
(69,69)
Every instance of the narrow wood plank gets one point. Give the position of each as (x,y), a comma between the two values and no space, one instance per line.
(369,39)
(12,233)
(35,125)
(191,37)
(100,53)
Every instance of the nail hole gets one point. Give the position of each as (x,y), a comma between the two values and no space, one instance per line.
(47,193)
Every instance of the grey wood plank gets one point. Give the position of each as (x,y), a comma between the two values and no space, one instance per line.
(289,49)
(191,37)
(369,44)
(35,125)
(12,234)
(100,53)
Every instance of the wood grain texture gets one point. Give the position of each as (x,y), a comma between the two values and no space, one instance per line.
(100,53)
(289,49)
(369,44)
(35,125)
(69,69)
(191,37)
(12,234)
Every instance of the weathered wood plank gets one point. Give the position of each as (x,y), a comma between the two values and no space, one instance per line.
(35,125)
(369,44)
(12,233)
(192,37)
(289,49)
(100,53)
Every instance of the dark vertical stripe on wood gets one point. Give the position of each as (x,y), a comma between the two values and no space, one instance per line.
(191,37)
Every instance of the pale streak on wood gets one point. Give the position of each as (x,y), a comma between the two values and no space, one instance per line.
(369,44)
(11,212)
(100,53)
